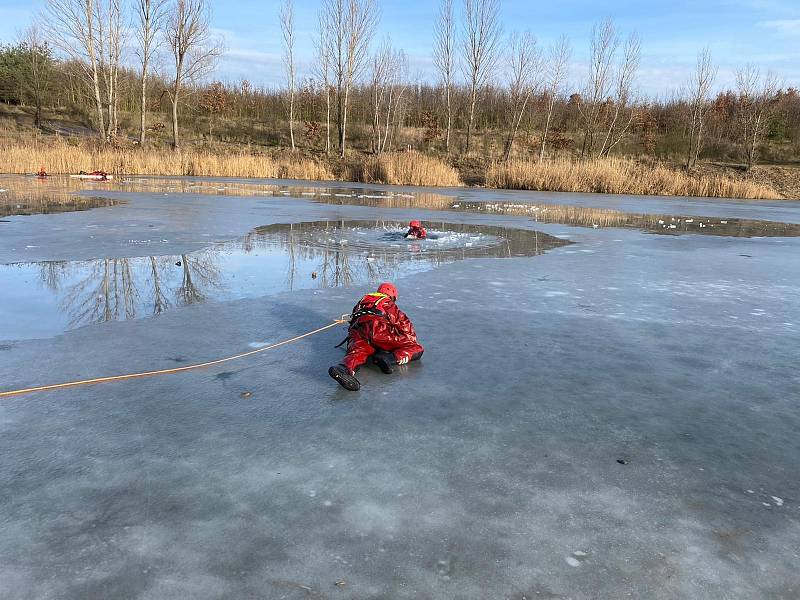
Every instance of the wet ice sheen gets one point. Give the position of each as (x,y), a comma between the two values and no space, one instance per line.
(47,298)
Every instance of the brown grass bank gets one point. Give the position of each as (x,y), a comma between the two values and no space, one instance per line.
(402,168)
(60,157)
(619,176)
(613,176)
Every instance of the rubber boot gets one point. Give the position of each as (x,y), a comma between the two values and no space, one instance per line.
(345,377)
(385,361)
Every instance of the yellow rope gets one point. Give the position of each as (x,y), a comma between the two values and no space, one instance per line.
(71,384)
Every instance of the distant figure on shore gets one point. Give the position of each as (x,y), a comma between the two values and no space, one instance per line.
(380,330)
(41,173)
(416,231)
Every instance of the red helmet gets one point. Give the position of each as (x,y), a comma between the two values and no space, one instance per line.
(415,224)
(388,289)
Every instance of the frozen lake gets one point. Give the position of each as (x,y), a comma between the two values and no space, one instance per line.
(607,406)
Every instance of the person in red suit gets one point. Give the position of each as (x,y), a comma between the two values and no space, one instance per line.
(378,330)
(416,231)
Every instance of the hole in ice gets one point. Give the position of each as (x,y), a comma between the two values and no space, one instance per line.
(41,299)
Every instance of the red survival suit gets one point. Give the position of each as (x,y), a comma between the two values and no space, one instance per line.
(378,325)
(416,231)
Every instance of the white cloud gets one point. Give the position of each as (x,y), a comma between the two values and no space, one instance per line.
(783,26)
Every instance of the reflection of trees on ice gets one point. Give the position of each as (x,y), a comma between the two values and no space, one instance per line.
(115,289)
(107,293)
(51,274)
(160,300)
(323,254)
(199,273)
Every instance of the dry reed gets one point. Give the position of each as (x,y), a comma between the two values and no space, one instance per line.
(613,176)
(404,168)
(59,157)
(618,176)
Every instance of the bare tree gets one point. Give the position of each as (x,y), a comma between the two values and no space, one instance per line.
(480,45)
(111,37)
(622,115)
(72,26)
(323,71)
(389,74)
(351,24)
(603,47)
(757,100)
(287,27)
(193,50)
(381,68)
(444,57)
(524,66)
(37,69)
(698,89)
(557,64)
(150,15)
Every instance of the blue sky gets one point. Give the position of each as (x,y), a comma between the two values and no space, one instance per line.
(764,32)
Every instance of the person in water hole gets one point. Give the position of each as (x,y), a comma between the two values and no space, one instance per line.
(416,231)
(378,330)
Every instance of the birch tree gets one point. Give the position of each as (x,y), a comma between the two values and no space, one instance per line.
(622,114)
(287,28)
(524,67)
(389,74)
(699,88)
(444,57)
(193,50)
(556,72)
(603,47)
(37,71)
(109,16)
(72,27)
(757,100)
(351,24)
(480,45)
(323,70)
(150,16)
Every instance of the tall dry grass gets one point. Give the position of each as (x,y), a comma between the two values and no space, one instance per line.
(60,157)
(614,175)
(618,176)
(403,168)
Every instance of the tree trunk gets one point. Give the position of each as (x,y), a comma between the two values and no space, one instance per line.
(343,124)
(143,113)
(175,140)
(449,122)
(327,120)
(547,120)
(699,141)
(291,118)
(473,99)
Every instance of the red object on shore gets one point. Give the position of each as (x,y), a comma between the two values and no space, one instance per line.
(41,173)
(377,324)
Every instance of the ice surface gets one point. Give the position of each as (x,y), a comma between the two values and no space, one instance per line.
(474,474)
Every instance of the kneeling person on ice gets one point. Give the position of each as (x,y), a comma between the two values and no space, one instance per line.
(416,231)
(378,330)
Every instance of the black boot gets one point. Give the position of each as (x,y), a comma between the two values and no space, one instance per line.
(345,377)
(385,361)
